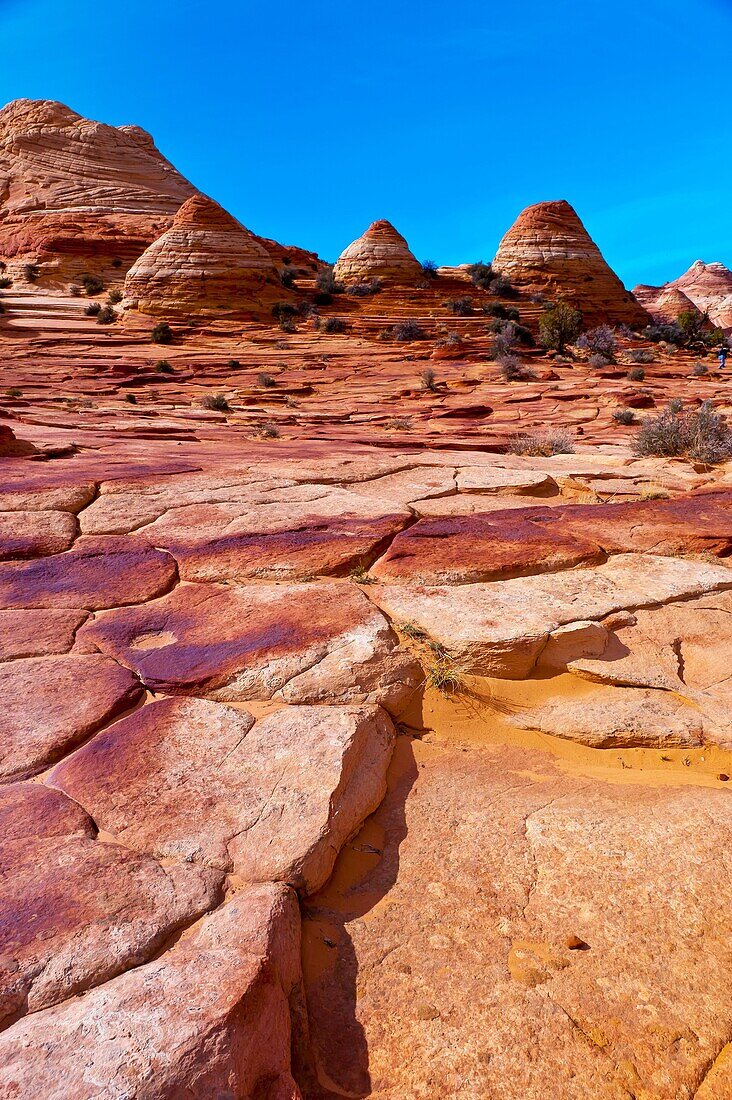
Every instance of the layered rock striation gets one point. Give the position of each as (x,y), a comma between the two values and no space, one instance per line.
(205,264)
(548,251)
(381,253)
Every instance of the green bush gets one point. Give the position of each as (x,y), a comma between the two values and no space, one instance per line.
(217,402)
(106,316)
(481,275)
(92,284)
(163,367)
(162,333)
(559,325)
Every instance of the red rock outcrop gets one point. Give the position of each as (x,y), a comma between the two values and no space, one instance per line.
(664,303)
(709,286)
(548,251)
(205,264)
(80,195)
(381,253)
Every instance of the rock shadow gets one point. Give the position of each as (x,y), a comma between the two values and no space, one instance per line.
(365,871)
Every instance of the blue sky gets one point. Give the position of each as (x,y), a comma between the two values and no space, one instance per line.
(309,119)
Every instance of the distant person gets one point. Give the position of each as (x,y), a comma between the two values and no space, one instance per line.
(723,353)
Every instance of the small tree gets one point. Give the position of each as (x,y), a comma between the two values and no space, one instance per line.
(481,275)
(559,325)
(429,269)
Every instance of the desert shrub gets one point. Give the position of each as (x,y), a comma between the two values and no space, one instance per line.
(216,402)
(642,355)
(428,379)
(559,325)
(31,272)
(452,340)
(504,340)
(700,434)
(498,310)
(326,282)
(323,298)
(106,316)
(429,269)
(542,443)
(700,369)
(399,424)
(5,282)
(669,333)
(162,333)
(599,341)
(624,416)
(74,290)
(598,361)
(92,284)
(93,309)
(287,278)
(163,367)
(481,275)
(287,325)
(636,374)
(266,380)
(234,364)
(698,329)
(130,398)
(462,307)
(13,392)
(364,290)
(523,334)
(114,297)
(406,331)
(333,325)
(513,370)
(282,310)
(267,430)
(502,288)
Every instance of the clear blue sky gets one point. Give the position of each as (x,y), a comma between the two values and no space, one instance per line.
(308,119)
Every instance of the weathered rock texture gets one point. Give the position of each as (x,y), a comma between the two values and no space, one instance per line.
(381,253)
(548,250)
(664,303)
(709,286)
(205,264)
(80,195)
(83,197)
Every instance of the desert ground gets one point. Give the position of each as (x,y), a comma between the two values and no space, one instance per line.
(366,725)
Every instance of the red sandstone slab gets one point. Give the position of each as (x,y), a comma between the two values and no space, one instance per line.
(690,523)
(313,643)
(288,541)
(50,704)
(463,549)
(76,912)
(35,534)
(190,780)
(96,573)
(209,1018)
(38,633)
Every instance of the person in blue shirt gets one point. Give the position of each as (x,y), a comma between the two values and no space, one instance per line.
(723,353)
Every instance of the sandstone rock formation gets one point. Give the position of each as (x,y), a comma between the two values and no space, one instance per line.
(664,303)
(81,197)
(381,253)
(709,286)
(548,251)
(206,264)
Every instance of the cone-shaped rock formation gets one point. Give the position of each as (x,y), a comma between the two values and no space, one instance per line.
(80,195)
(205,264)
(381,253)
(664,303)
(709,286)
(548,250)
